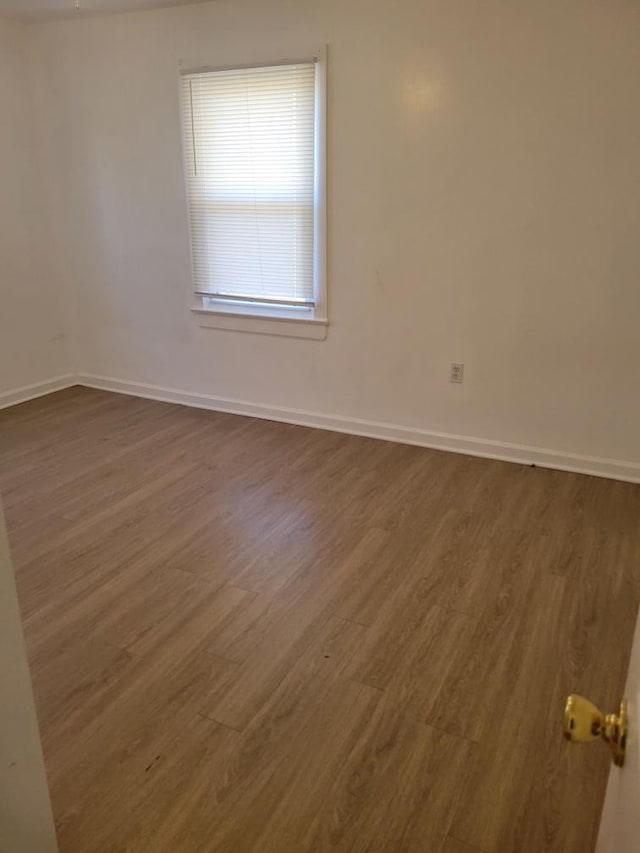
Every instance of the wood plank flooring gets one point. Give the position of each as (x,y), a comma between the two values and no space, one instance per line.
(249,636)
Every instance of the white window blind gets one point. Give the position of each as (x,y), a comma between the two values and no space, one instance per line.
(249,137)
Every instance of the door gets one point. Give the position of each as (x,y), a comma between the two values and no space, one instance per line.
(620,825)
(26,822)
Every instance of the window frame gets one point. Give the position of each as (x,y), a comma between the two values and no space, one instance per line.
(266,319)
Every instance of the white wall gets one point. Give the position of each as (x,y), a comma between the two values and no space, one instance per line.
(26,822)
(32,340)
(484,206)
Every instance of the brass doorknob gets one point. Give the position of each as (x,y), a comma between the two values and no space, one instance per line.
(583,722)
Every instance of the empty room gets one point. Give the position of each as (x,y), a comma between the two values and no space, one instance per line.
(319,426)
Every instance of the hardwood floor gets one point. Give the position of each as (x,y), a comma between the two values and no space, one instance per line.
(248,636)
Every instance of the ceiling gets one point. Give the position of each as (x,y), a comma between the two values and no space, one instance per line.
(30,10)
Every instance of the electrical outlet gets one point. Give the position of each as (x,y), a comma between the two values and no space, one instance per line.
(456,374)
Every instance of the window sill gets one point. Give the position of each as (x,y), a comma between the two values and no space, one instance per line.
(290,323)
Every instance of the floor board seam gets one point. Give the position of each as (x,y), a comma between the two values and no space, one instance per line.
(219,723)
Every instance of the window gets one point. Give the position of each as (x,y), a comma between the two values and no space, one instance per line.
(254,163)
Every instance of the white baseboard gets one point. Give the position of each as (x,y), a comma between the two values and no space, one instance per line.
(37,389)
(612,468)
